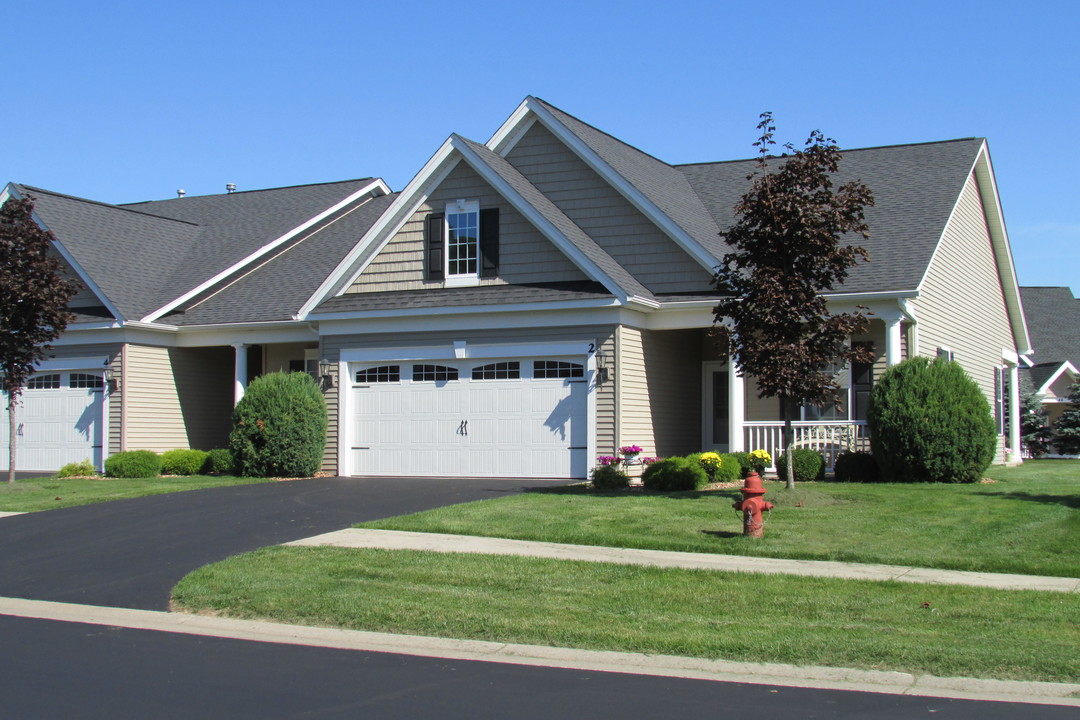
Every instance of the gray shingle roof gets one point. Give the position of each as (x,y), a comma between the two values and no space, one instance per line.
(664,185)
(915,189)
(130,255)
(284,283)
(464,297)
(1053,318)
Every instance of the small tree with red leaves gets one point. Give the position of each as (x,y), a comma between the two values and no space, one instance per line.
(786,252)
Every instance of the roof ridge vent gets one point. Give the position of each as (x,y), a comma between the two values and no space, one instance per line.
(181,192)
(230,187)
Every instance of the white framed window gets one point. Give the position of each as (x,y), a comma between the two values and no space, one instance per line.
(461,244)
(462,240)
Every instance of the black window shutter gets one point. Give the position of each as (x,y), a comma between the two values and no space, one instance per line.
(489,242)
(434,247)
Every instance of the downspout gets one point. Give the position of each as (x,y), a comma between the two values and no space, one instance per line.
(123,396)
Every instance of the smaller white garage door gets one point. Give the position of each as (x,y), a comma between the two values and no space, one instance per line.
(58,421)
(500,418)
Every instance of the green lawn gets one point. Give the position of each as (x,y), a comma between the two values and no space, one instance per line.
(1027,521)
(885,625)
(48,493)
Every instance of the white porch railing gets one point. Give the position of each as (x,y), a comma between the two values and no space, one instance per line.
(828,438)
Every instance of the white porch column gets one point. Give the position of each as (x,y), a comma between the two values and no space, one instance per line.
(892,338)
(736,409)
(1014,414)
(240,372)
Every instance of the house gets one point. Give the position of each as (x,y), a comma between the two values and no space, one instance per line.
(1053,319)
(522,306)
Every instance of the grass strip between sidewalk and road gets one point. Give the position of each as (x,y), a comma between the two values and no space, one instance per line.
(49,493)
(1027,521)
(942,630)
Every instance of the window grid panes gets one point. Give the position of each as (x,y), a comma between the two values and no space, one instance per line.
(433,373)
(83,380)
(43,382)
(462,243)
(557,369)
(384,373)
(498,371)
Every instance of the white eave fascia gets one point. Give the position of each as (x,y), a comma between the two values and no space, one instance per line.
(999,239)
(11,191)
(1065,366)
(541,223)
(392,219)
(507,135)
(375,186)
(465,310)
(999,236)
(143,325)
(871,296)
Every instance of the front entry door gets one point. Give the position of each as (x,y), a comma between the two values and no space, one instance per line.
(716,423)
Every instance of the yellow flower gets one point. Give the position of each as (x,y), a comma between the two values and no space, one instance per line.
(761,455)
(711,459)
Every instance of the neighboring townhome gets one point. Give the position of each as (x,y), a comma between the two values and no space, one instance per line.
(1053,318)
(182,301)
(521,307)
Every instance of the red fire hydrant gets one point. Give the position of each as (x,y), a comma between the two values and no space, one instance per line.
(752,504)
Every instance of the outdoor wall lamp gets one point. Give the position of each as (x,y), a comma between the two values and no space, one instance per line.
(325,378)
(603,371)
(110,377)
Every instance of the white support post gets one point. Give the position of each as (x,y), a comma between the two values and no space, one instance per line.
(736,409)
(1014,414)
(241,371)
(892,338)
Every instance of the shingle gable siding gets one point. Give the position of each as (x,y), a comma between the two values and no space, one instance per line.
(605,215)
(961,305)
(525,255)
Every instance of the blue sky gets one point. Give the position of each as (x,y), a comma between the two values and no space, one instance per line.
(127,101)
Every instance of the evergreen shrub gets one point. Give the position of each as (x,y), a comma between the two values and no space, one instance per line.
(183,462)
(1067,426)
(218,462)
(133,464)
(673,475)
(856,467)
(609,477)
(807,465)
(279,427)
(930,422)
(730,470)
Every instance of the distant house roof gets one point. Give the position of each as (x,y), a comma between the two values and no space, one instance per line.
(1053,317)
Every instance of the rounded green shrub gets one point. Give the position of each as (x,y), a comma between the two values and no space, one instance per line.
(218,462)
(743,458)
(856,467)
(79,469)
(183,462)
(133,464)
(730,470)
(279,427)
(674,474)
(609,477)
(807,465)
(930,422)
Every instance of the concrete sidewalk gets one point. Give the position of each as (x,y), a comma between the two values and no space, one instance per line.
(398,540)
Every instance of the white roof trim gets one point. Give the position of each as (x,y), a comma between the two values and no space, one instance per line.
(395,216)
(84,277)
(1065,366)
(529,307)
(505,137)
(377,186)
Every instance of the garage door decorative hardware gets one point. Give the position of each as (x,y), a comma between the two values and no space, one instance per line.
(463,428)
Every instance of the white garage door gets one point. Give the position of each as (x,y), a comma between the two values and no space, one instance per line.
(58,422)
(513,418)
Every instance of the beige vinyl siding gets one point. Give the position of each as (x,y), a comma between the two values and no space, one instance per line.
(605,215)
(659,386)
(962,306)
(276,357)
(177,397)
(525,256)
(333,345)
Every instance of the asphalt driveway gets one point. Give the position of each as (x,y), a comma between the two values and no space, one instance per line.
(130,553)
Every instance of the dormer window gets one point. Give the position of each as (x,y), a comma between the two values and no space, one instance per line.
(462,244)
(462,239)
